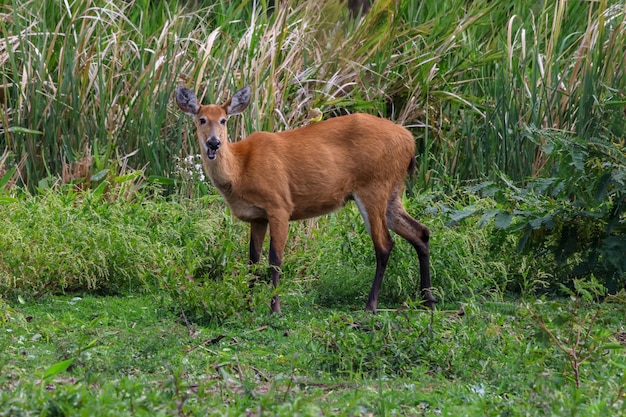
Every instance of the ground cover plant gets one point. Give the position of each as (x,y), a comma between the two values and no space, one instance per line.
(181,333)
(123,283)
(76,355)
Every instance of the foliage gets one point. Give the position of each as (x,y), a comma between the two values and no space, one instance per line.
(90,81)
(575,218)
(62,240)
(131,356)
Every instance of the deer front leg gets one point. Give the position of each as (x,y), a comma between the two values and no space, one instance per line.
(257,235)
(279,228)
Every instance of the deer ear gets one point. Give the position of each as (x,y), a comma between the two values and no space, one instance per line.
(238,102)
(187,101)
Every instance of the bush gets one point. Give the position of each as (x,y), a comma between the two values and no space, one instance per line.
(574,220)
(61,241)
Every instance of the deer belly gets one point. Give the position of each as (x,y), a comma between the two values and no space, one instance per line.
(317,208)
(247,212)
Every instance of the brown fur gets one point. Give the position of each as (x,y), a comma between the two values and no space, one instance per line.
(272,178)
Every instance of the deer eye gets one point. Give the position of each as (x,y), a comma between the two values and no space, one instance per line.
(202,121)
(222,122)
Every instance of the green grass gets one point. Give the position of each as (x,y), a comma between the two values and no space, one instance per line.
(130,356)
(174,328)
(67,241)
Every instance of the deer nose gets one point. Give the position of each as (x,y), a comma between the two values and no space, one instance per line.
(213,143)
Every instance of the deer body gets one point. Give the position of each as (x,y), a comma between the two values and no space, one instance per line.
(273,178)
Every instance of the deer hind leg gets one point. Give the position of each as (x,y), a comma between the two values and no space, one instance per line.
(417,235)
(373,213)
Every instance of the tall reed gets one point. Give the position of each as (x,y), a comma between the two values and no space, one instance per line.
(88,83)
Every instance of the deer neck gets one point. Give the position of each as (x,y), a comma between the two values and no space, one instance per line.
(223,170)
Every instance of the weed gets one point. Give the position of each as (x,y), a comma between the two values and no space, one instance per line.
(573,330)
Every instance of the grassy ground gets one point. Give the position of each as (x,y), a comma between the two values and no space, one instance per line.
(71,355)
(141,306)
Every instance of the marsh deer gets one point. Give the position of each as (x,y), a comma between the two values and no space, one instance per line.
(272,178)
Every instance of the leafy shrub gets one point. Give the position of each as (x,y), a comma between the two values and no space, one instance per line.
(212,300)
(219,285)
(574,219)
(61,241)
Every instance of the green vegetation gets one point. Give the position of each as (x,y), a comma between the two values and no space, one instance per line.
(482,83)
(129,356)
(142,307)
(124,288)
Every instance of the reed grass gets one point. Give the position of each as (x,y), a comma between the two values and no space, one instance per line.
(85,84)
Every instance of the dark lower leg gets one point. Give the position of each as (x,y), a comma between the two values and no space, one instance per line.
(257,236)
(418,236)
(275,263)
(382,257)
(424,259)
(421,246)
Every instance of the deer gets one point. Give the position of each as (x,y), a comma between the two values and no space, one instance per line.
(272,178)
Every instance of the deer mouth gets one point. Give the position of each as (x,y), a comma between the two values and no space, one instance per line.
(211,153)
(211,146)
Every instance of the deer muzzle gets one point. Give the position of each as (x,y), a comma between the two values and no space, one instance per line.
(212,145)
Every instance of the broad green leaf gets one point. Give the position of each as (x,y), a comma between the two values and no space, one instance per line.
(161,180)
(547,221)
(459,215)
(486,218)
(17,129)
(44,184)
(57,368)
(478,187)
(503,220)
(99,190)
(99,175)
(578,159)
(128,177)
(7,176)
